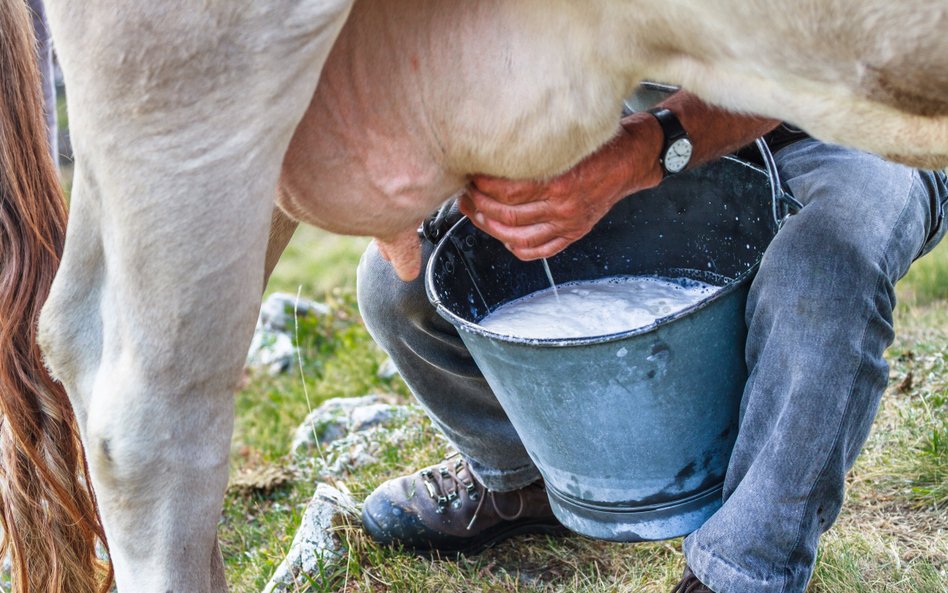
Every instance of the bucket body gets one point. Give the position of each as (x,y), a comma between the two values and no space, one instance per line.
(632,431)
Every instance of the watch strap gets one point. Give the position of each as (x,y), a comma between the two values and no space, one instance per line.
(671,129)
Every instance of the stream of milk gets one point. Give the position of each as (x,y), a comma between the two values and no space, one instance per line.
(596,308)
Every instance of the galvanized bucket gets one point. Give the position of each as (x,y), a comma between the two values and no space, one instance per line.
(631,431)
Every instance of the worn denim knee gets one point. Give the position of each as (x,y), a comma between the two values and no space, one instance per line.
(819,318)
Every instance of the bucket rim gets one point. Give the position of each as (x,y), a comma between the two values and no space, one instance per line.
(473,328)
(479,330)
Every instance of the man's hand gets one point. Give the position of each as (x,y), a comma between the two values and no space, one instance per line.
(538,219)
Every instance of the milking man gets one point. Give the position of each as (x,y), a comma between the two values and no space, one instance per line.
(819,315)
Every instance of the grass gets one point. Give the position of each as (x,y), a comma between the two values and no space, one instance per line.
(891,537)
(927,280)
(318,262)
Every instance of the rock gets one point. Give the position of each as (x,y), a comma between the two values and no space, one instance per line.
(276,313)
(374,437)
(365,417)
(272,345)
(315,548)
(363,423)
(338,417)
(387,370)
(356,450)
(272,351)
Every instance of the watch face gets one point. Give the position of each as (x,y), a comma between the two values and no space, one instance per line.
(678,155)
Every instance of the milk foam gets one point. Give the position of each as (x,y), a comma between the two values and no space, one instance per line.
(596,308)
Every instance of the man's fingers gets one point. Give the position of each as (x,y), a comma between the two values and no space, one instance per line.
(404,253)
(507,190)
(512,215)
(521,237)
(523,218)
(548,249)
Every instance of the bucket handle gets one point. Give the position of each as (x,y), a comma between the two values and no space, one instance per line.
(782,203)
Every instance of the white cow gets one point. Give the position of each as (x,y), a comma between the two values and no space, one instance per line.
(188,118)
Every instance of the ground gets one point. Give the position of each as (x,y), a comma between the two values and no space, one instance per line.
(892,536)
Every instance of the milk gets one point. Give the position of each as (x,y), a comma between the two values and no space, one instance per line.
(596,308)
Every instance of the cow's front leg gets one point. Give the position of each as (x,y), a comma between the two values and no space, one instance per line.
(147,326)
(180,118)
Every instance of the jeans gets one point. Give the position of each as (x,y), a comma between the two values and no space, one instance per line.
(819,316)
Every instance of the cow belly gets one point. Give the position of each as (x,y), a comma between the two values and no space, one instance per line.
(419,94)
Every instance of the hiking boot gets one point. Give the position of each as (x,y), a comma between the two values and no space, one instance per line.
(443,508)
(690,584)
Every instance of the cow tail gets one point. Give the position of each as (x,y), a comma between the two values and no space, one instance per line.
(47,507)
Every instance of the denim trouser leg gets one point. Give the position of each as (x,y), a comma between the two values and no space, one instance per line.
(439,370)
(819,316)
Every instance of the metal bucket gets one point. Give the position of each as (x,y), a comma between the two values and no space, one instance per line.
(632,432)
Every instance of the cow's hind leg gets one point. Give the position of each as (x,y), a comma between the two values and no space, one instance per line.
(180,122)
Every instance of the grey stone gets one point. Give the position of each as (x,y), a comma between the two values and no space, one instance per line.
(272,346)
(328,422)
(357,450)
(338,417)
(276,313)
(353,452)
(271,351)
(387,369)
(315,548)
(333,460)
(365,417)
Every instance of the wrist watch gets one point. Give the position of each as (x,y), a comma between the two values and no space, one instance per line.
(677,148)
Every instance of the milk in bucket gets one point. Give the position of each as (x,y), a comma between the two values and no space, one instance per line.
(596,308)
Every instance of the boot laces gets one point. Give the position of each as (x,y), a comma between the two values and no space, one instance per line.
(445,485)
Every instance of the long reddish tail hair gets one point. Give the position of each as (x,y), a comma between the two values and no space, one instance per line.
(47,507)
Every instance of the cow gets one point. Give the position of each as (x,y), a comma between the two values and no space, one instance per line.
(205,131)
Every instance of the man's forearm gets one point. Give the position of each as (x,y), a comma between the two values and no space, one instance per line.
(713,132)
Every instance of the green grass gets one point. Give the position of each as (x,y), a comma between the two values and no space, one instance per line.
(318,262)
(890,537)
(927,280)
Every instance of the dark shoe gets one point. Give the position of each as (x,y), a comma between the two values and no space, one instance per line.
(445,509)
(690,584)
